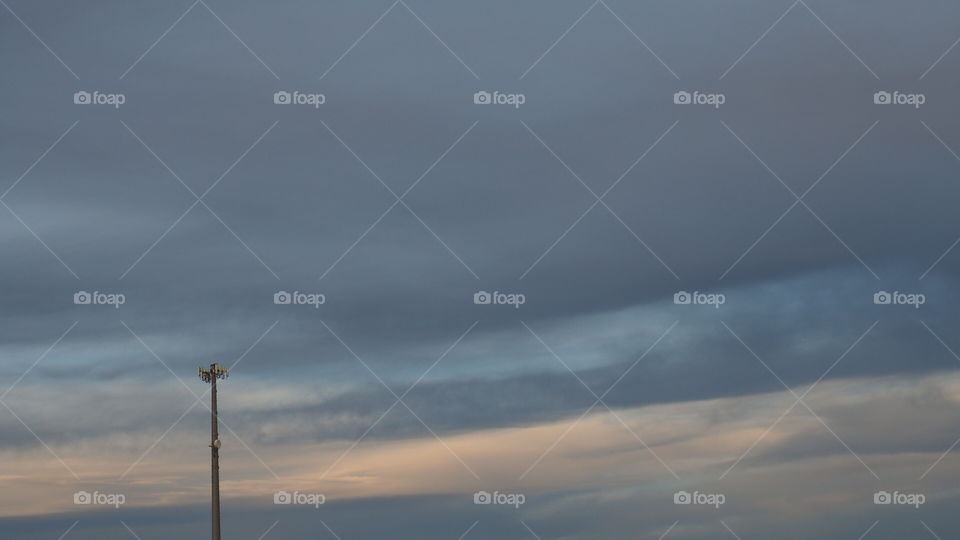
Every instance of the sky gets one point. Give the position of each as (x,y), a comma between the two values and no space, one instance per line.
(516,270)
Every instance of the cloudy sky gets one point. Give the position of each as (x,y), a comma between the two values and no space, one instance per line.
(595,258)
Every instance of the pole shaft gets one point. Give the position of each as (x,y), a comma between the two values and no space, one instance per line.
(215,460)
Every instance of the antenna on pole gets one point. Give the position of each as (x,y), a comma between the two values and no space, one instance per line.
(210,377)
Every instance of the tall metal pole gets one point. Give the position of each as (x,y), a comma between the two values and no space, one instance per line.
(216,372)
(214,459)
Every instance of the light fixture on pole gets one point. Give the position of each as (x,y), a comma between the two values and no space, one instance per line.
(210,376)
